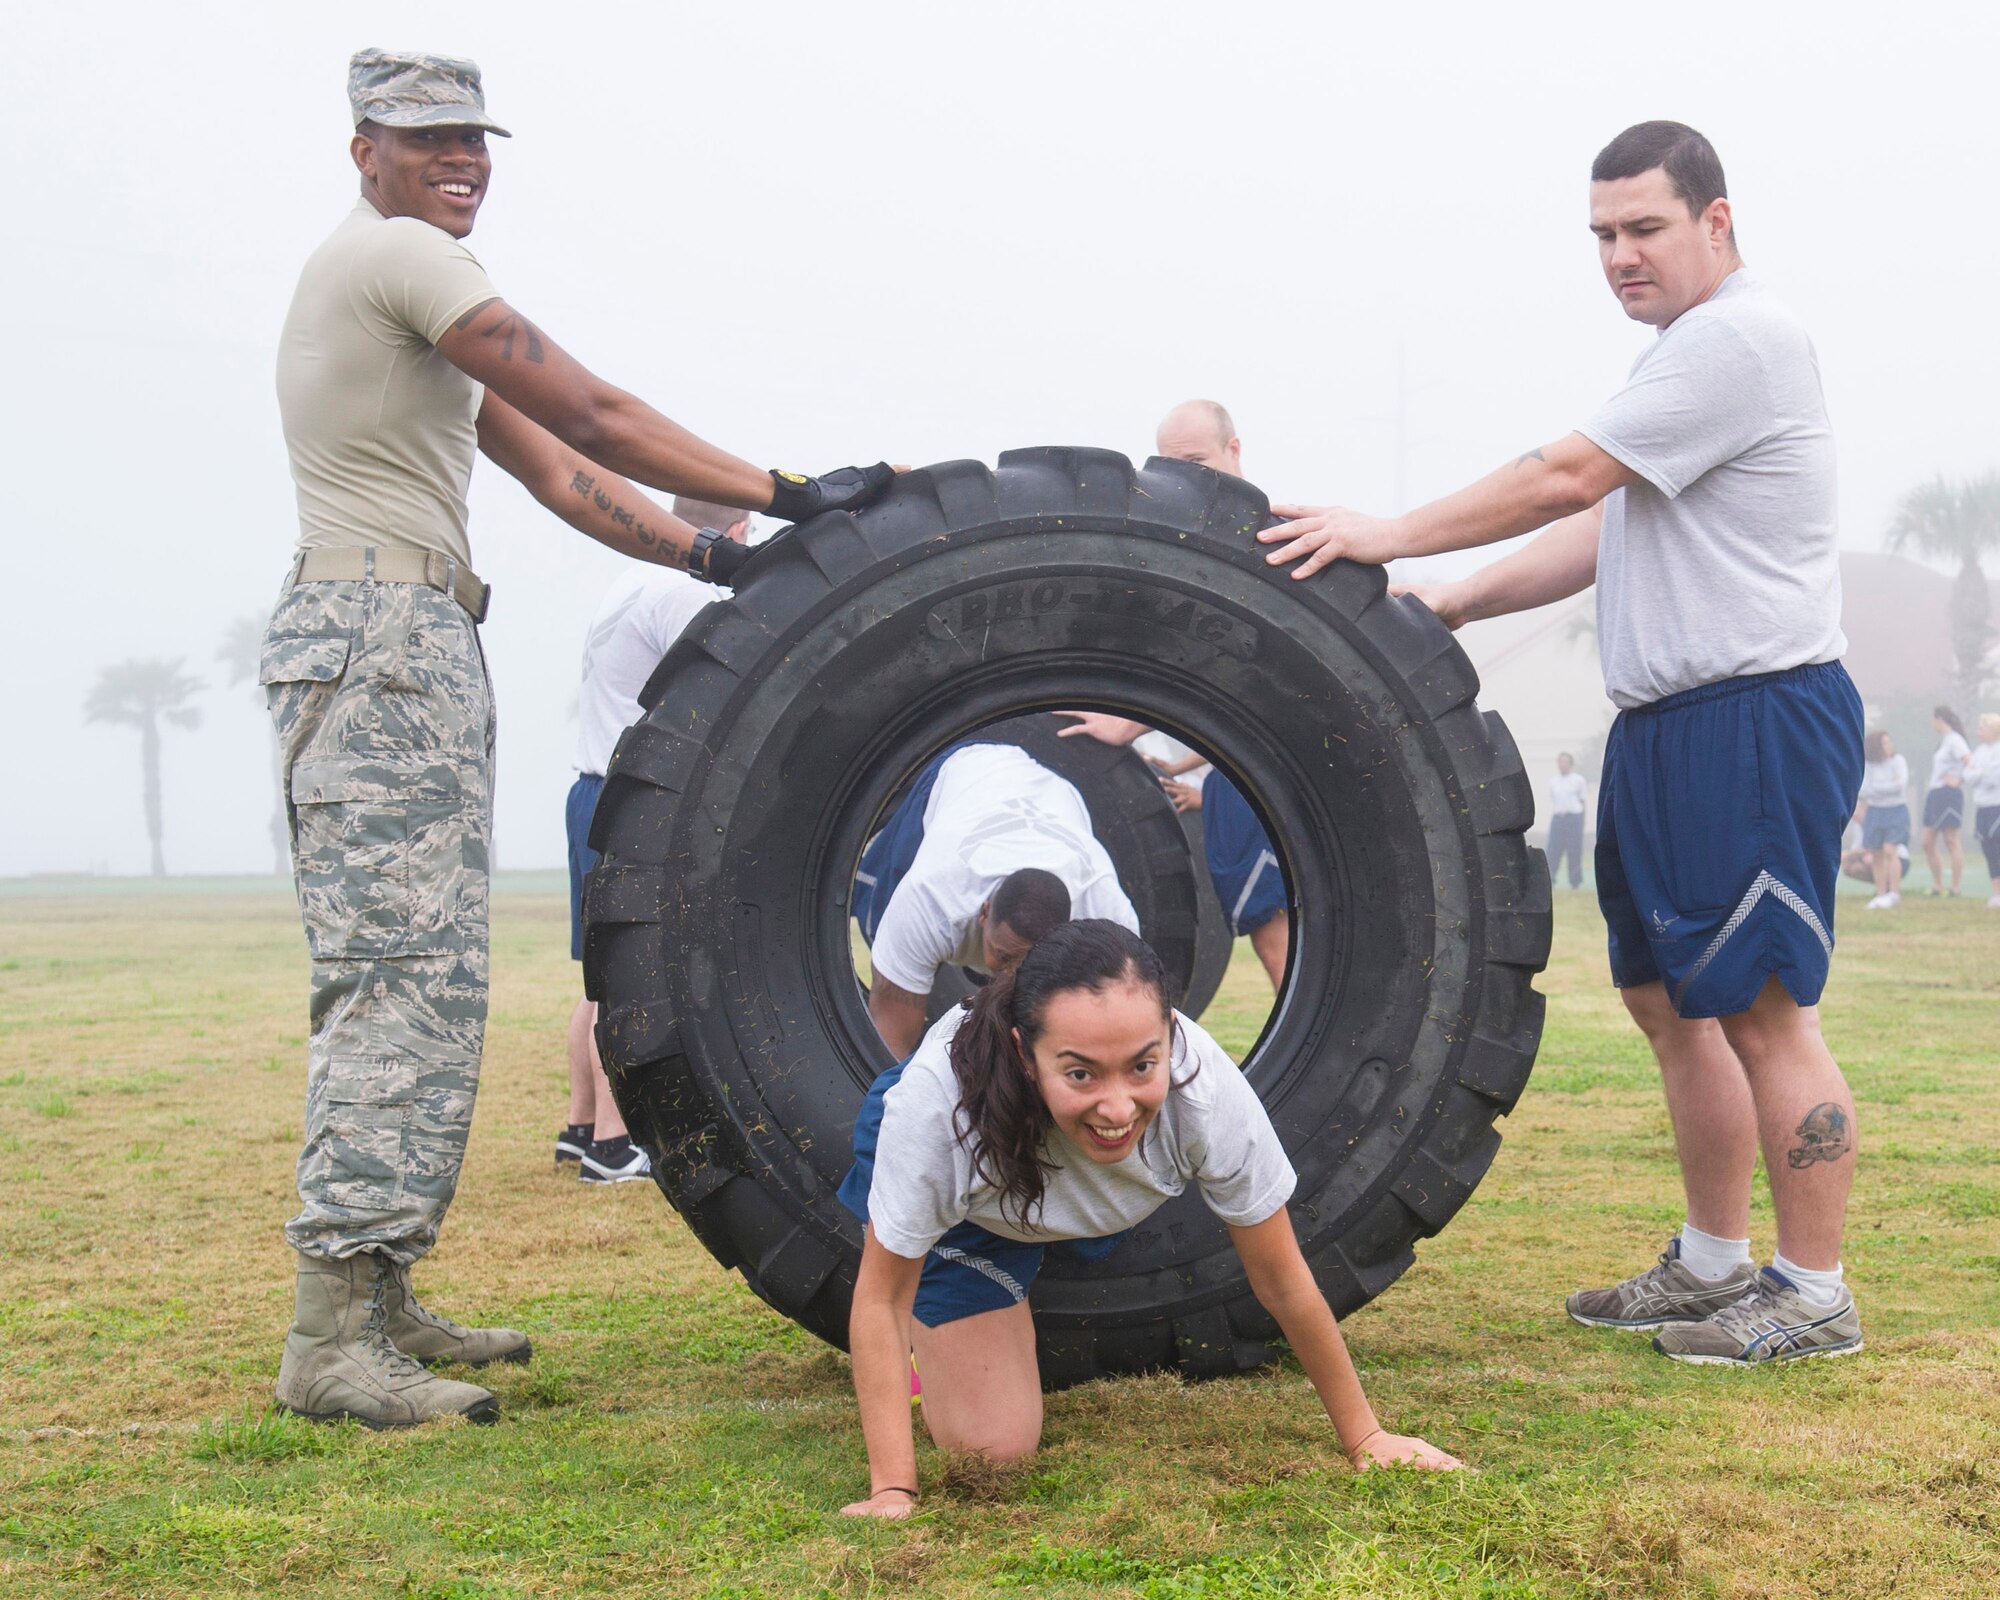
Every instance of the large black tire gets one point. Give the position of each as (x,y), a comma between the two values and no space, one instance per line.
(733,814)
(1133,819)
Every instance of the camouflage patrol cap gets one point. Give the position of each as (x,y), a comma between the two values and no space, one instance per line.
(399,89)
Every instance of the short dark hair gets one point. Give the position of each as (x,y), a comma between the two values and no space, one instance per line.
(1031,902)
(1688,159)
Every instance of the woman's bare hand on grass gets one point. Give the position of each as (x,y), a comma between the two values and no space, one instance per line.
(1382,1449)
(894,1504)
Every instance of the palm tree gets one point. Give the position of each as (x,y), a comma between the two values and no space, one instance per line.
(1957,522)
(241,649)
(144,694)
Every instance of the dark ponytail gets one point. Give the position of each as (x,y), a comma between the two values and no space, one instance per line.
(1002,1117)
(1949,718)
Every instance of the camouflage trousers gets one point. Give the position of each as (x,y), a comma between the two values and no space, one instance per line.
(384,717)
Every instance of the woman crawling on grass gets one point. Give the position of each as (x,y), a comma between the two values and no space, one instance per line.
(1065,1104)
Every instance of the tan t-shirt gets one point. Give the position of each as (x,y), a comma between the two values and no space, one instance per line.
(378,424)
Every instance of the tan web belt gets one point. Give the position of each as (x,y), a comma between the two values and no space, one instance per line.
(379,564)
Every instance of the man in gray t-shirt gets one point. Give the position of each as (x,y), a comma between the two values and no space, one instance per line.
(1700,500)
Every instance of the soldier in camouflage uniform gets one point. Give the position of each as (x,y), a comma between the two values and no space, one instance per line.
(397,362)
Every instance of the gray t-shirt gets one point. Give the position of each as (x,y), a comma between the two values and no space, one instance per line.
(1722,562)
(1213,1131)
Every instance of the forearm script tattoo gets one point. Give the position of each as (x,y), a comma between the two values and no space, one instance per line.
(585,486)
(1823,1136)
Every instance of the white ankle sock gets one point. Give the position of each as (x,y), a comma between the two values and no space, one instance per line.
(1711,1258)
(1821,1288)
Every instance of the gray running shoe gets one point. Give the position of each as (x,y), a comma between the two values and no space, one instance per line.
(1665,1292)
(1775,1323)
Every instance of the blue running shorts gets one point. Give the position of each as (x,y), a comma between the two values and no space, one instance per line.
(1241,862)
(577,812)
(1885,825)
(969,1270)
(1944,809)
(1719,816)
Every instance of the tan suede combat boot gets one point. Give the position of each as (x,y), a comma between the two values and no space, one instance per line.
(423,1335)
(339,1363)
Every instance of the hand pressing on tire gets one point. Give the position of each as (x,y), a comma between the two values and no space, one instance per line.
(892,1505)
(1101,726)
(1185,796)
(795,497)
(1448,602)
(1325,534)
(1381,1449)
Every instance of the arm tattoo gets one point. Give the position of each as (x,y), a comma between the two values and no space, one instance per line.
(1823,1136)
(503,328)
(1532,455)
(585,486)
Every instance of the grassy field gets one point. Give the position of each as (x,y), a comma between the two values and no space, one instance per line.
(675,1438)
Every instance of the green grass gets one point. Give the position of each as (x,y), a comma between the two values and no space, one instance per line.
(673,1437)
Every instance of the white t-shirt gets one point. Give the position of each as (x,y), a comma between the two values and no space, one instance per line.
(1212,1131)
(993,811)
(1982,773)
(641,614)
(1157,746)
(1566,792)
(1722,561)
(1948,761)
(1886,783)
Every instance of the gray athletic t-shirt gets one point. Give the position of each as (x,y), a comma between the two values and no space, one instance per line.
(1212,1131)
(1722,562)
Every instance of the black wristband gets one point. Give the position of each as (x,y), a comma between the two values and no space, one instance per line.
(716,558)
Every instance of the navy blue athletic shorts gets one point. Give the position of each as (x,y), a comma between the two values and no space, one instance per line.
(969,1270)
(1241,862)
(1944,808)
(577,812)
(1719,816)
(1885,825)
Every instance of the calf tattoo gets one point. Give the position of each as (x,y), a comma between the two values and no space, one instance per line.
(1823,1136)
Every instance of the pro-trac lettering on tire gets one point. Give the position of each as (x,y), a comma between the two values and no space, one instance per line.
(964,617)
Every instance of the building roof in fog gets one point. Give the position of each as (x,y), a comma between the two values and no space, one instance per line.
(1898,626)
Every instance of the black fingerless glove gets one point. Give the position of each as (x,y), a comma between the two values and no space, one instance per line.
(716,558)
(796,498)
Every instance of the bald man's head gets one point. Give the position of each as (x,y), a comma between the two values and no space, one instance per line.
(1201,431)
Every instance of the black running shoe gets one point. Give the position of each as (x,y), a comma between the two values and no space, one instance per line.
(572,1142)
(616,1160)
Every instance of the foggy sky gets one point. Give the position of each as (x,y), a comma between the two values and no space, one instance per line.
(833,233)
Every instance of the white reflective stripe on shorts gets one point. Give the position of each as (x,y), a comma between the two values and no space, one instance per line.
(984,1268)
(1785,896)
(1264,859)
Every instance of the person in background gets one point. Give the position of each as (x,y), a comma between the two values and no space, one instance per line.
(1567,790)
(1884,814)
(1243,865)
(1944,800)
(986,853)
(1982,777)
(641,614)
